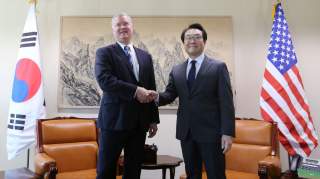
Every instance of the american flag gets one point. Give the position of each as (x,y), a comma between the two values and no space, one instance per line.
(283,99)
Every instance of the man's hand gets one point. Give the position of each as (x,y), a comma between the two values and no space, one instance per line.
(145,96)
(153,95)
(142,95)
(226,143)
(153,128)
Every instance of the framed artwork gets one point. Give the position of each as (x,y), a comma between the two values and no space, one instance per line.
(80,37)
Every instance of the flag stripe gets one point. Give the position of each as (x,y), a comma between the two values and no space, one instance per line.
(305,113)
(283,83)
(296,71)
(268,114)
(296,88)
(298,118)
(286,144)
(284,117)
(282,99)
(295,76)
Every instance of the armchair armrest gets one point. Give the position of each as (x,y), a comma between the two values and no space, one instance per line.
(45,166)
(269,166)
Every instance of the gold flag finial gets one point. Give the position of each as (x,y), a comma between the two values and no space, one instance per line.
(35,2)
(274,8)
(32,1)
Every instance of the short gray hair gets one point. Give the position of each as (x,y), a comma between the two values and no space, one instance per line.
(120,15)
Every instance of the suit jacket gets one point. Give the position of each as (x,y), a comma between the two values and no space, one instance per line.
(206,110)
(119,110)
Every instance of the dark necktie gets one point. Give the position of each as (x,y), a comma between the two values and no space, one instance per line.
(127,52)
(192,74)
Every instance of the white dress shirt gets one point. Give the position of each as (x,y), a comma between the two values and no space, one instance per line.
(134,59)
(198,60)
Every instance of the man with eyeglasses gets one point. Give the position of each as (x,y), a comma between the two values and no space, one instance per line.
(205,116)
(125,74)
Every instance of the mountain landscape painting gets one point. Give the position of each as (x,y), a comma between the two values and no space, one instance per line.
(160,36)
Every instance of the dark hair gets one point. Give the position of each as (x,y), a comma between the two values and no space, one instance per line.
(195,26)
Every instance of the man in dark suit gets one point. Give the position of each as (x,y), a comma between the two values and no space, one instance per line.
(124,73)
(205,116)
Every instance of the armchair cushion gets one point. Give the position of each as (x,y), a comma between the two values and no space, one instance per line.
(87,174)
(255,132)
(68,131)
(73,156)
(90,173)
(238,157)
(233,174)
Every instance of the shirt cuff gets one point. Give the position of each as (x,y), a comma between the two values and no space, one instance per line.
(135,93)
(156,101)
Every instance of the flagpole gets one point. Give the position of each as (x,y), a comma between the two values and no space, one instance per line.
(289,162)
(28,157)
(34,3)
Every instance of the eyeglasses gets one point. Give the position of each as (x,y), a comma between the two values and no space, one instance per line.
(193,37)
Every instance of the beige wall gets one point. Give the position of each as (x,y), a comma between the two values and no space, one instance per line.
(252,25)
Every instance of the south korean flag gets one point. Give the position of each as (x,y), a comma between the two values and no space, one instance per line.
(27,99)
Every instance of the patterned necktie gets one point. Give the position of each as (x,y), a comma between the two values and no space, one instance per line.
(127,52)
(192,74)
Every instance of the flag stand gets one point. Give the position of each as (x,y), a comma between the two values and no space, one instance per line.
(294,162)
(289,162)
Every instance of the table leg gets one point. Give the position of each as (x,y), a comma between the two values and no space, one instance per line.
(164,173)
(172,172)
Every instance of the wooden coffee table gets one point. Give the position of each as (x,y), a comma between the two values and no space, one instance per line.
(164,162)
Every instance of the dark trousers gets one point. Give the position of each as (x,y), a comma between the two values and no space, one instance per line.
(111,144)
(194,153)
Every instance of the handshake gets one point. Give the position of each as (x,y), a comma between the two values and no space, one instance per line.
(145,96)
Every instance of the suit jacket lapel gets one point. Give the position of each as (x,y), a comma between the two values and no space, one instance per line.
(123,58)
(184,77)
(199,77)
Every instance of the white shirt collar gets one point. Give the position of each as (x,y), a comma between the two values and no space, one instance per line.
(122,45)
(199,59)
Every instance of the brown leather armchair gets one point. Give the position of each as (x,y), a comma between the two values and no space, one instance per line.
(67,148)
(254,153)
